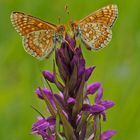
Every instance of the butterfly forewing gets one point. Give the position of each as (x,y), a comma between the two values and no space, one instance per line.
(95,29)
(38,35)
(106,15)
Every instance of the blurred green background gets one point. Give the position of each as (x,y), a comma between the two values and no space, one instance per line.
(117,67)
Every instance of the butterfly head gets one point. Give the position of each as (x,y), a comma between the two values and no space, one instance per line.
(60,33)
(74,28)
(61,29)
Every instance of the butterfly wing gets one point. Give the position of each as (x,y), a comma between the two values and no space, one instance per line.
(38,36)
(95,35)
(95,29)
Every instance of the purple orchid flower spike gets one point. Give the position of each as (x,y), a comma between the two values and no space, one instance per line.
(72,115)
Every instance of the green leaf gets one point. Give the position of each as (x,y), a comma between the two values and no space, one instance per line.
(73,79)
(90,128)
(61,69)
(83,132)
(49,132)
(58,84)
(38,112)
(66,90)
(66,55)
(83,120)
(49,105)
(79,98)
(68,130)
(59,137)
(57,123)
(97,128)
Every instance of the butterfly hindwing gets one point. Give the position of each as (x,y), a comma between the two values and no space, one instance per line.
(39,43)
(95,35)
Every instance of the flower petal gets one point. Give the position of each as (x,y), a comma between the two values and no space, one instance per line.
(79,52)
(93,108)
(40,127)
(47,92)
(107,104)
(71,101)
(107,134)
(48,75)
(71,41)
(81,68)
(88,72)
(92,88)
(99,95)
(41,124)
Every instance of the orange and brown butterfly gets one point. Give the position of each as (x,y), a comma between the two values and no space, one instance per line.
(95,29)
(39,37)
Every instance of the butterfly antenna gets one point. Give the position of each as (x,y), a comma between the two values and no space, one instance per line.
(67,9)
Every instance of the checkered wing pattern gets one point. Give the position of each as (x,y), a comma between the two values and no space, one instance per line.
(38,36)
(95,29)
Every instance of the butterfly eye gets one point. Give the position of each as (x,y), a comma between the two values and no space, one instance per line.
(72,25)
(61,29)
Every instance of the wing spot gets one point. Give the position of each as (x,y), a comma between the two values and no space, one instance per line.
(43,38)
(87,34)
(86,25)
(29,26)
(40,24)
(26,31)
(91,17)
(25,19)
(90,32)
(47,41)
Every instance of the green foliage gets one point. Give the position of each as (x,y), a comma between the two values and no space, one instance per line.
(117,66)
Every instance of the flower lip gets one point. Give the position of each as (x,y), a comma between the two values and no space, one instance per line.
(92,88)
(96,108)
(99,95)
(88,72)
(107,103)
(40,127)
(107,134)
(48,75)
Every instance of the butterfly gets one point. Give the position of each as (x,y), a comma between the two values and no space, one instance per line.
(39,37)
(95,29)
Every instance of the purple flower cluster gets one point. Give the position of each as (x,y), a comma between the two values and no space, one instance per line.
(72,116)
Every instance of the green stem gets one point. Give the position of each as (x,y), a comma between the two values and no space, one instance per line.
(97,128)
